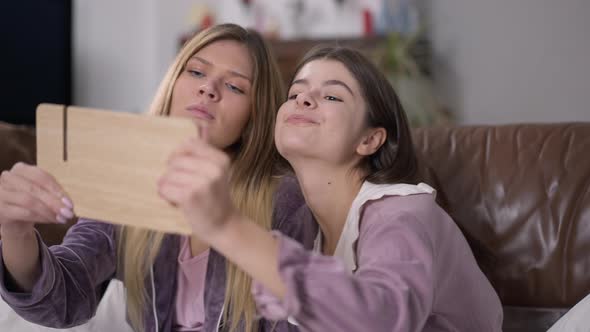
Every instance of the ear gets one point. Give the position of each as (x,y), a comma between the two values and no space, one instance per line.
(372,141)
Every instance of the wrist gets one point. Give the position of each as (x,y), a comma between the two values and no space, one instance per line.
(16,230)
(226,233)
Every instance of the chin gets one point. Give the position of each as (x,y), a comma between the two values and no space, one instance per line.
(293,147)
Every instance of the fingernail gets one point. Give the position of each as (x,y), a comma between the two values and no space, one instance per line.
(66,213)
(60,219)
(67,202)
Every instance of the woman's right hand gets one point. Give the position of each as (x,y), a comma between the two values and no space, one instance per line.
(29,195)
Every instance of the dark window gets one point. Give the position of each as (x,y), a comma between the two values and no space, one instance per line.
(35,57)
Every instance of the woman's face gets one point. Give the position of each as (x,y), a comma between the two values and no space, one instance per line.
(324,115)
(214,89)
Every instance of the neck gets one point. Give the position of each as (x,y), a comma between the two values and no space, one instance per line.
(197,246)
(329,191)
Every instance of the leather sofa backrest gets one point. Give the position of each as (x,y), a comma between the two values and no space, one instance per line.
(17,143)
(523,191)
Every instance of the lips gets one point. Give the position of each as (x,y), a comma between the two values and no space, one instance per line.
(201,112)
(300,119)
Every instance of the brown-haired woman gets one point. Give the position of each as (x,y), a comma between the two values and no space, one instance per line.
(380,254)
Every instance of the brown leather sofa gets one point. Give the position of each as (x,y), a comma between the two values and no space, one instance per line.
(522,192)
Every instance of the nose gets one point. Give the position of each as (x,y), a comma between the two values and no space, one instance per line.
(305,101)
(209,91)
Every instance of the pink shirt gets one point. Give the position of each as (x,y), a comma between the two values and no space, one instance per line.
(190,307)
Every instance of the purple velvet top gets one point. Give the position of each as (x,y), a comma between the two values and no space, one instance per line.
(415,272)
(75,274)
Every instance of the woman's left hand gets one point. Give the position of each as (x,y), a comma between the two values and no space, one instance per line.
(197,181)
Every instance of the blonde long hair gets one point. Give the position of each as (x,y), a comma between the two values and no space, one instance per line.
(252,175)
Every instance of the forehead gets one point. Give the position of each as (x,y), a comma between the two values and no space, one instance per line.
(227,55)
(324,72)
(324,69)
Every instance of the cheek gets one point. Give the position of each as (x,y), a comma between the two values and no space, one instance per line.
(338,121)
(179,97)
(342,129)
(281,112)
(278,133)
(290,141)
(237,113)
(243,112)
(280,122)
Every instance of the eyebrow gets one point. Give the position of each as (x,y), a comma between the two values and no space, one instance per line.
(326,83)
(232,72)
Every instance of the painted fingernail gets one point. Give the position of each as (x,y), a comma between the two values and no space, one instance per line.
(60,219)
(67,202)
(66,213)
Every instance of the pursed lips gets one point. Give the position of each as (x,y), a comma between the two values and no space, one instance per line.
(300,119)
(200,112)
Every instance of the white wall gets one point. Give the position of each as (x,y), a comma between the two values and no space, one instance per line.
(496,61)
(121,49)
(324,17)
(114,54)
(513,60)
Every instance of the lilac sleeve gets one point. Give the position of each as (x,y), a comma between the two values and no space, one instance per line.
(73,277)
(392,290)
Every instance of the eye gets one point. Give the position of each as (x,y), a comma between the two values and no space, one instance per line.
(195,73)
(234,88)
(332,98)
(292,96)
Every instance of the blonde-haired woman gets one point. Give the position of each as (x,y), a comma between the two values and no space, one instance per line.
(227,81)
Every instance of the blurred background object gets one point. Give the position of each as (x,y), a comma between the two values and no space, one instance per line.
(486,62)
(35,57)
(392,32)
(406,61)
